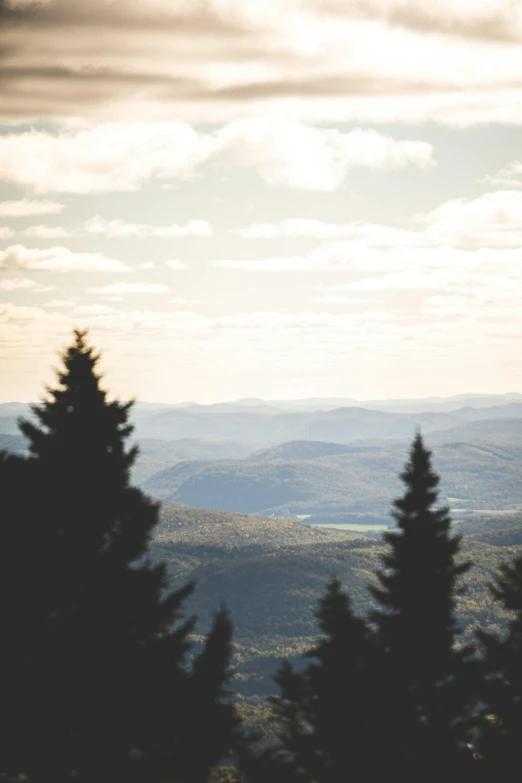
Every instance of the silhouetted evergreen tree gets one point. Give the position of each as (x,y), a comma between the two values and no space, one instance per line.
(330,715)
(388,699)
(416,625)
(501,730)
(107,690)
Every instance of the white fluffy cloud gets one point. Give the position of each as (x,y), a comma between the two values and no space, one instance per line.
(288,153)
(49,232)
(466,234)
(176,264)
(298,228)
(120,228)
(26,208)
(99,226)
(357,256)
(120,157)
(93,310)
(508,177)
(17,284)
(103,158)
(491,220)
(58,259)
(124,289)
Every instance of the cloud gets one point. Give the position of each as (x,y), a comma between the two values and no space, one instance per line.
(462,234)
(180,301)
(6,232)
(27,208)
(489,20)
(416,280)
(119,228)
(61,304)
(17,284)
(103,158)
(319,60)
(175,264)
(99,226)
(93,310)
(491,220)
(121,157)
(58,259)
(298,228)
(509,177)
(359,255)
(437,334)
(123,289)
(286,152)
(49,232)
(331,299)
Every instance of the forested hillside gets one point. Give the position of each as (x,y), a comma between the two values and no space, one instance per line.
(297,479)
(272,572)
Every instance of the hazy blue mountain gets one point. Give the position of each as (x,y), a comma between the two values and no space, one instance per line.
(300,450)
(156,455)
(263,424)
(352,481)
(340,425)
(495,431)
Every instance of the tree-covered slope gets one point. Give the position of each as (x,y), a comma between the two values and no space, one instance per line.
(271,572)
(358,480)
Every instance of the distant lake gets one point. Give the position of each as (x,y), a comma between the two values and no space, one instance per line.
(355,528)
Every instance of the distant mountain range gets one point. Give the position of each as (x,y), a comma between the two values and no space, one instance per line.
(336,465)
(257,424)
(351,484)
(264,428)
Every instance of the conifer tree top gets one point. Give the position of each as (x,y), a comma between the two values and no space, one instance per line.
(421,487)
(77,412)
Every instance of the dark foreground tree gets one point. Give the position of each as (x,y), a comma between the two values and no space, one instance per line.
(390,698)
(331,714)
(416,625)
(93,650)
(501,730)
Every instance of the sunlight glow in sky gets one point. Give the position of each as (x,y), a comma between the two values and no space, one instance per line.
(286,198)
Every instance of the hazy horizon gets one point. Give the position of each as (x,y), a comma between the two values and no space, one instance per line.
(273,401)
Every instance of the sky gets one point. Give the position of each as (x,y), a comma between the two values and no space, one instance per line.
(270,198)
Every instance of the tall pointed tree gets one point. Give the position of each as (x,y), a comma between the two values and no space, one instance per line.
(389,698)
(416,624)
(329,715)
(111,692)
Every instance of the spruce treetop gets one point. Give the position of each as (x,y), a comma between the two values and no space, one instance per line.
(418,588)
(77,420)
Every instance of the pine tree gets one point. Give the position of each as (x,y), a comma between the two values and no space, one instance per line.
(110,693)
(501,731)
(416,625)
(388,698)
(329,714)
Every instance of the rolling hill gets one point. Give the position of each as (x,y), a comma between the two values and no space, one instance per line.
(271,573)
(351,479)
